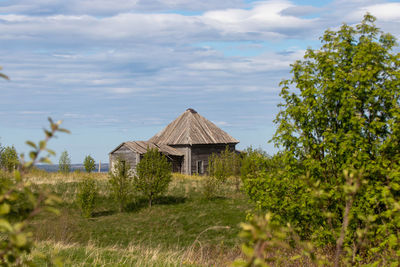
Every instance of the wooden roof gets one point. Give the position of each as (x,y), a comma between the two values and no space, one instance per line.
(191,128)
(141,148)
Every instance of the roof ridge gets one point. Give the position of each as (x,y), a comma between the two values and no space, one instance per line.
(192,128)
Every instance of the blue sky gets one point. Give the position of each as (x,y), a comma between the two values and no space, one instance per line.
(121,70)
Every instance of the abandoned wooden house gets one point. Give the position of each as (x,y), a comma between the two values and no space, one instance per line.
(187,142)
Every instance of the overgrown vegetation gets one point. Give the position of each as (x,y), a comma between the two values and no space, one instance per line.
(89,164)
(120,183)
(222,166)
(87,196)
(9,159)
(19,204)
(180,229)
(338,181)
(64,163)
(153,175)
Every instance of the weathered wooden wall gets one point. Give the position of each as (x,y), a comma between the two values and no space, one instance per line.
(124,153)
(203,152)
(186,164)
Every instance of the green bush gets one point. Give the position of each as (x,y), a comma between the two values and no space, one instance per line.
(120,181)
(87,196)
(19,204)
(254,161)
(222,166)
(339,131)
(211,187)
(9,158)
(64,163)
(16,240)
(89,164)
(153,175)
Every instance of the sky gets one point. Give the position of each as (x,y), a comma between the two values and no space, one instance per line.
(121,70)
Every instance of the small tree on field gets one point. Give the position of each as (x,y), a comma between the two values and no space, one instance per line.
(9,158)
(120,183)
(64,164)
(224,165)
(153,174)
(87,196)
(89,164)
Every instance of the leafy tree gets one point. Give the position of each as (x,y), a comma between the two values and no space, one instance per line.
(87,196)
(9,158)
(340,114)
(223,165)
(153,174)
(121,183)
(253,161)
(89,164)
(1,151)
(64,163)
(219,166)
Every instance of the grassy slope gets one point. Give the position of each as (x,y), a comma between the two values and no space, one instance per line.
(182,227)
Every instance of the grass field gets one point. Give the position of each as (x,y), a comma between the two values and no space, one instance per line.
(182,229)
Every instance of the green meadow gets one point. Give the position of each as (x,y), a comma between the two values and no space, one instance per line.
(182,228)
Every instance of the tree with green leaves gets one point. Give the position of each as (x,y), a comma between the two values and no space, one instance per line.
(89,164)
(87,196)
(153,174)
(339,131)
(121,182)
(224,165)
(9,159)
(64,163)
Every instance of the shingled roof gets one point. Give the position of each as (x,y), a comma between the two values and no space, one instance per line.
(191,128)
(141,148)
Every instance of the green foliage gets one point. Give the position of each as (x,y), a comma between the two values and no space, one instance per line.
(64,163)
(9,159)
(344,115)
(121,183)
(153,174)
(266,242)
(18,205)
(211,187)
(220,167)
(253,161)
(89,164)
(87,196)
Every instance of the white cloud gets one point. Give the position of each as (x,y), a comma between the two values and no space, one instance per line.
(107,7)
(387,12)
(263,21)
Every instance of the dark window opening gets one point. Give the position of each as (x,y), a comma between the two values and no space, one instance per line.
(200,168)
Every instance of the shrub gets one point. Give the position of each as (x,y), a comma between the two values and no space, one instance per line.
(223,165)
(153,174)
(9,158)
(211,187)
(121,183)
(253,161)
(16,241)
(89,164)
(64,164)
(343,117)
(15,195)
(87,196)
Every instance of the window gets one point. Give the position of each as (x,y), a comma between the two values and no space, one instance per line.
(200,168)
